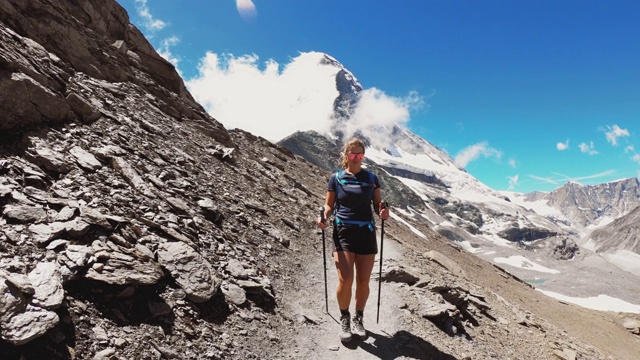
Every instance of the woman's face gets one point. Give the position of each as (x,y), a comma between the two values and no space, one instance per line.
(355,154)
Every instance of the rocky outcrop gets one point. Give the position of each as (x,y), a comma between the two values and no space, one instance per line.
(121,200)
(517,234)
(621,234)
(53,53)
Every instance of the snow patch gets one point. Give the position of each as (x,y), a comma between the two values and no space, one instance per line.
(600,302)
(413,229)
(522,262)
(625,260)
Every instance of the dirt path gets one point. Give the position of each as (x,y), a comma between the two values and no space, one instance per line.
(317,332)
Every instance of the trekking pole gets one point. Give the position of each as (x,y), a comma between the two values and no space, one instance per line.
(384,206)
(324,259)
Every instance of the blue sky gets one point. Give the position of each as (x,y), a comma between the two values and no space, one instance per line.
(525,95)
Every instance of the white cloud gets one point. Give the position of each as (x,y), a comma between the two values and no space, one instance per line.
(376,111)
(150,23)
(614,132)
(273,101)
(588,149)
(473,152)
(560,178)
(513,181)
(596,176)
(247,9)
(631,149)
(544,179)
(562,145)
(513,163)
(165,51)
(586,177)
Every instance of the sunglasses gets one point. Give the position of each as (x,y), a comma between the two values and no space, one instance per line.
(353,156)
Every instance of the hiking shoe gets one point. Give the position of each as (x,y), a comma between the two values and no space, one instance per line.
(345,328)
(358,328)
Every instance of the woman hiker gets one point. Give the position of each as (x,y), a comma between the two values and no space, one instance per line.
(353,191)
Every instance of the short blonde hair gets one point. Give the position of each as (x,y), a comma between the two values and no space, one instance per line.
(354,141)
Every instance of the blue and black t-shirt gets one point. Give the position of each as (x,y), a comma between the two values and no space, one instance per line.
(354,193)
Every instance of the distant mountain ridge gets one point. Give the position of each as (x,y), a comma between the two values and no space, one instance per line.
(588,205)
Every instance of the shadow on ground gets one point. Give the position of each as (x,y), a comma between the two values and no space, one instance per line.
(401,344)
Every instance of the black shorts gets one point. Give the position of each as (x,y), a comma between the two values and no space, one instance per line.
(353,238)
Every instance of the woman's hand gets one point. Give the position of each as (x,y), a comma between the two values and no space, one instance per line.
(383,211)
(322,223)
(324,215)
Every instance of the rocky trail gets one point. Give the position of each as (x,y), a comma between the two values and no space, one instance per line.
(387,339)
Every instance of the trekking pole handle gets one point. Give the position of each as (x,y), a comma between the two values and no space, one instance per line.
(384,205)
(322,219)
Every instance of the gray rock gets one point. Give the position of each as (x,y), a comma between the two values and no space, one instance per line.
(445,262)
(57,244)
(234,294)
(5,190)
(236,269)
(20,281)
(47,281)
(94,216)
(178,205)
(21,198)
(75,256)
(632,325)
(26,326)
(12,302)
(122,266)
(24,213)
(131,176)
(41,154)
(108,152)
(41,106)
(43,233)
(66,214)
(262,289)
(189,269)
(399,274)
(82,108)
(100,334)
(433,310)
(85,159)
(106,354)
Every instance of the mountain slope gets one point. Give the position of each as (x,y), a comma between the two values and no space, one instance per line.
(619,241)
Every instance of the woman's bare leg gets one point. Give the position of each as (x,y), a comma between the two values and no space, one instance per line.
(344,261)
(364,267)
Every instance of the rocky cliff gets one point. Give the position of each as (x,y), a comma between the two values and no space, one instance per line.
(123,203)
